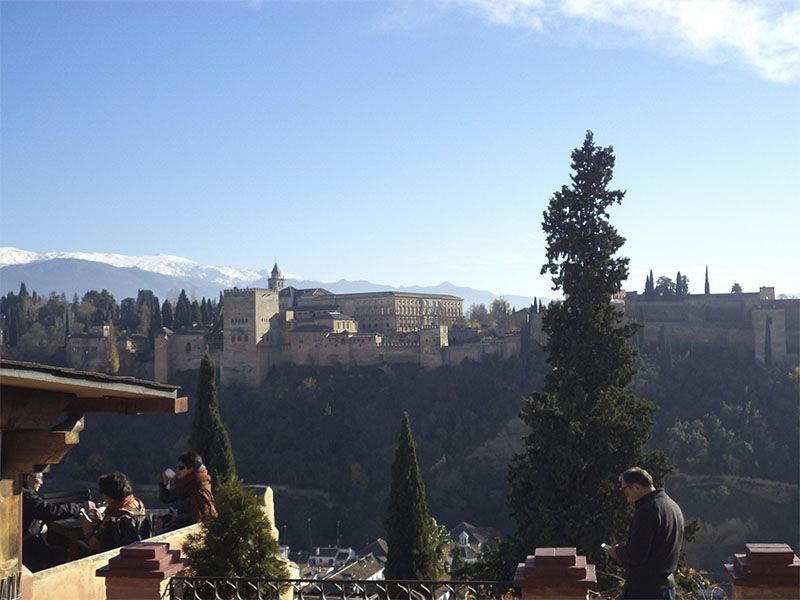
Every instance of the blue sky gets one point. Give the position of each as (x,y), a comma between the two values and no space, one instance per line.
(403,142)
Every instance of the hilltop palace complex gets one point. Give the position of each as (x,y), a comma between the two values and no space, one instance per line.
(265,327)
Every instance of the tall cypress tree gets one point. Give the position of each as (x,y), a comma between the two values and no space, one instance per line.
(183,312)
(586,426)
(197,313)
(409,527)
(708,287)
(209,437)
(166,313)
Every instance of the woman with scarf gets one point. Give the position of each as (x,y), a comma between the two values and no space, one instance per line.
(189,492)
(121,521)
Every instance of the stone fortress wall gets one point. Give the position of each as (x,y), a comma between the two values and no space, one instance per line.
(268,327)
(726,320)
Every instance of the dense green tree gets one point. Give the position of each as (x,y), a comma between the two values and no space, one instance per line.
(205,311)
(183,315)
(166,313)
(649,286)
(586,426)
(52,312)
(707,288)
(155,318)
(105,308)
(238,542)
(736,288)
(197,313)
(681,286)
(665,288)
(128,315)
(500,314)
(409,535)
(209,437)
(478,313)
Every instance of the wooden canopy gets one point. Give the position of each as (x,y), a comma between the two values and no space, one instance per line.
(42,408)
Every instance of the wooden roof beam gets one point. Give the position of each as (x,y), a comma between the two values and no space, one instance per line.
(29,451)
(129,406)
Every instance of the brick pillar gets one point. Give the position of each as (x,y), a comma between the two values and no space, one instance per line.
(141,571)
(555,573)
(765,572)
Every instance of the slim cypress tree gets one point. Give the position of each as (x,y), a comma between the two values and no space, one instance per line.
(586,426)
(409,527)
(166,313)
(183,312)
(708,287)
(209,437)
(197,313)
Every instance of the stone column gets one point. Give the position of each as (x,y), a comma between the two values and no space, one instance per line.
(555,573)
(141,571)
(765,572)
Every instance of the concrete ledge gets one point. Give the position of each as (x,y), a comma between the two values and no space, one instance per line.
(77,579)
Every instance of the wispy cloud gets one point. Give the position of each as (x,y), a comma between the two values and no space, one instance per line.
(762,34)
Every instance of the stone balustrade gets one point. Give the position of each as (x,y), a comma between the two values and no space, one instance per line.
(141,570)
(765,572)
(552,573)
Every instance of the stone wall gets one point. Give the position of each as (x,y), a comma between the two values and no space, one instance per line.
(77,579)
(725,320)
(181,350)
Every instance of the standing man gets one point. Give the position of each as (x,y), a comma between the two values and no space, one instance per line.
(650,556)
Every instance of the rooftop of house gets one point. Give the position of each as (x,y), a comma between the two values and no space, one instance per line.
(366,567)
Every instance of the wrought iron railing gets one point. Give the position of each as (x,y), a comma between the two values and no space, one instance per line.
(219,588)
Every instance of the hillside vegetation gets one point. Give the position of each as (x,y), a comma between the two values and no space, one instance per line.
(325,437)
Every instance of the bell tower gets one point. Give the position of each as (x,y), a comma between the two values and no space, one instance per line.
(276,278)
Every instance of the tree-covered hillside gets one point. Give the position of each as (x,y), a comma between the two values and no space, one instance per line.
(325,438)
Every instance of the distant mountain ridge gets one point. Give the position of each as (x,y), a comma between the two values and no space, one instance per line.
(166,276)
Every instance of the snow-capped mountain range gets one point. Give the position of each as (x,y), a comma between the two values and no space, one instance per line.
(122,275)
(164,264)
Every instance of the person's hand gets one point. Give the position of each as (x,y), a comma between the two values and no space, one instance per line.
(88,529)
(95,514)
(165,479)
(90,505)
(612,552)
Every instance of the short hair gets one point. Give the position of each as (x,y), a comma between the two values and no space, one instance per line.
(115,485)
(637,475)
(191,459)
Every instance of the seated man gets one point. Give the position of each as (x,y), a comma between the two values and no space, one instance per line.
(36,511)
(189,492)
(121,523)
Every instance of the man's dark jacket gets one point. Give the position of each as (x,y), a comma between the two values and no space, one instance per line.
(654,543)
(36,510)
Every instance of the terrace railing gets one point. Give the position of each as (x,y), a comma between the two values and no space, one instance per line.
(213,588)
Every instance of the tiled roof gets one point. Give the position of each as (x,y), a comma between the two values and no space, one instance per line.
(365,567)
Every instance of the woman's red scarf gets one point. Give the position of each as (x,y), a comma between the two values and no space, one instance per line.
(129,504)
